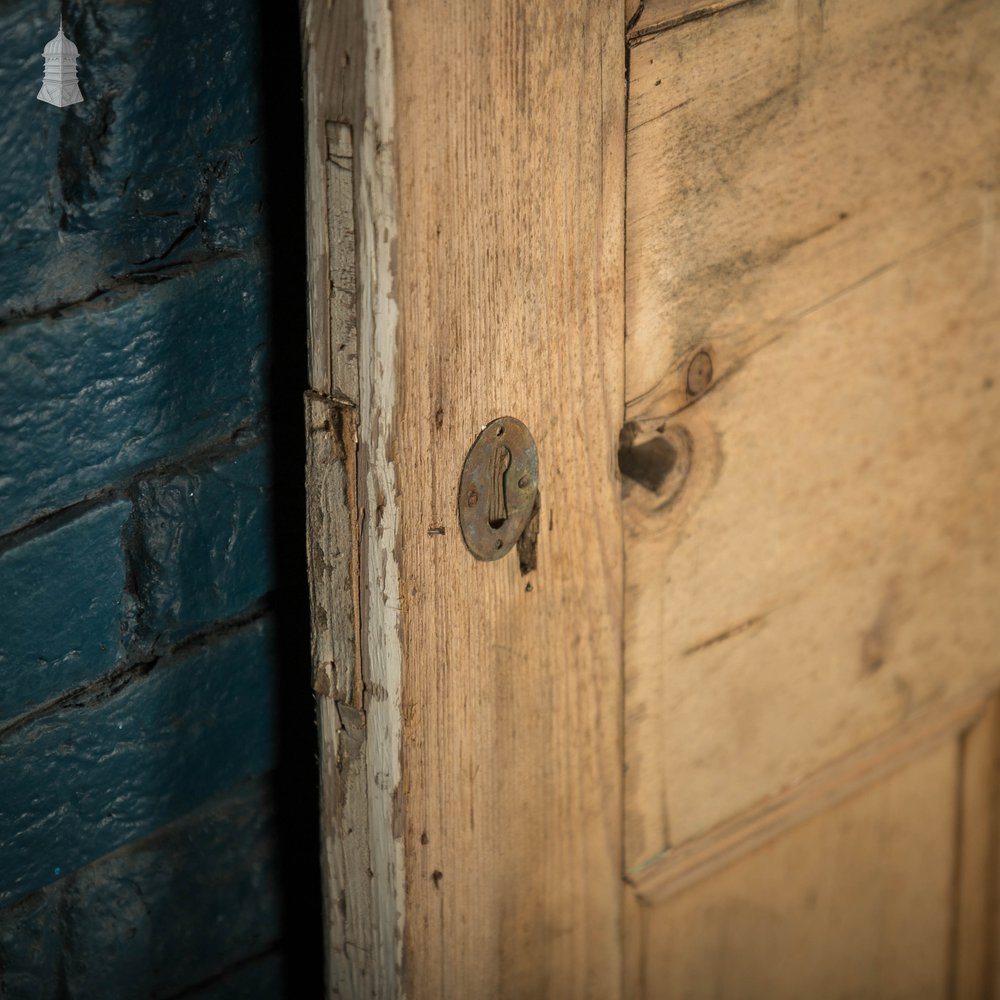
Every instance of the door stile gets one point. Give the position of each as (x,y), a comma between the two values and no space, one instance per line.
(470,712)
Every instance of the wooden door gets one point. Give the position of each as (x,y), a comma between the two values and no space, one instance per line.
(812,523)
(729,728)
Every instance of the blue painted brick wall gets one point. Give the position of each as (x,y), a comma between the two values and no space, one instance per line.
(132,925)
(56,633)
(139,701)
(98,392)
(116,762)
(204,532)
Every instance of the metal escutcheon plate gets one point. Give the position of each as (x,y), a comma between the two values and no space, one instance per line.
(499,484)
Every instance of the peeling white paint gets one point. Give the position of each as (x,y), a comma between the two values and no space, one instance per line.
(378,319)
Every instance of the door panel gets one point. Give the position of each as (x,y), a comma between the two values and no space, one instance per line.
(887,893)
(812,450)
(861,910)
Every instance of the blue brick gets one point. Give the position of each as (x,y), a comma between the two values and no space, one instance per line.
(30,949)
(168,913)
(168,88)
(100,773)
(164,142)
(206,545)
(199,92)
(158,916)
(101,392)
(133,319)
(63,610)
(234,216)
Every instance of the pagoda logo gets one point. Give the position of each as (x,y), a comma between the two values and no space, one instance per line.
(59,84)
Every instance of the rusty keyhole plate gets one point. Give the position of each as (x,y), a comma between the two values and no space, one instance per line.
(499,484)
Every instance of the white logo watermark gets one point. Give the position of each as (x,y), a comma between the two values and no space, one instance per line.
(59,85)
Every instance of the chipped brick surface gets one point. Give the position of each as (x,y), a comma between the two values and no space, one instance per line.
(54,633)
(204,544)
(94,396)
(145,920)
(122,760)
(160,163)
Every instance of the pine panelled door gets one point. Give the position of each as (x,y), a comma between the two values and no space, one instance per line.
(726,723)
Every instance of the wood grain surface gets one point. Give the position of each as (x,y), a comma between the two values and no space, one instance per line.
(861,909)
(973,945)
(350,487)
(471,762)
(510,255)
(811,538)
(646,17)
(333,58)
(333,54)
(802,340)
(683,866)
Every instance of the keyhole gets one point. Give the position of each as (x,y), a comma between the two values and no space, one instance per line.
(498,493)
